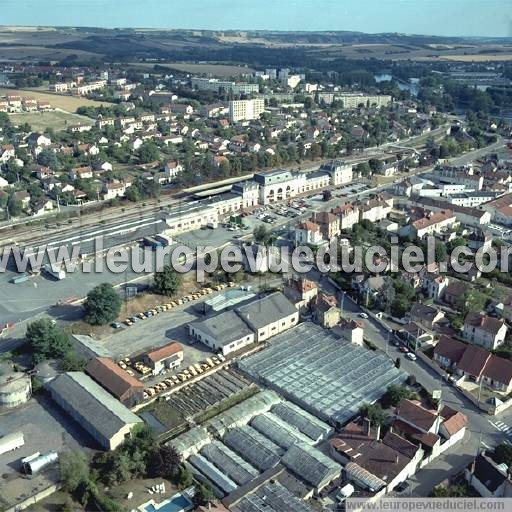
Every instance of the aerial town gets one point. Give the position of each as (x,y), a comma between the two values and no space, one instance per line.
(255,389)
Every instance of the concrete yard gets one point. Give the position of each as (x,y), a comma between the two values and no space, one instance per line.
(45,428)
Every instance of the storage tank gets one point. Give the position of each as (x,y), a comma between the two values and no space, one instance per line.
(11,442)
(36,463)
(15,389)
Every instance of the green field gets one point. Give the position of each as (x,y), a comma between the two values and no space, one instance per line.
(56,119)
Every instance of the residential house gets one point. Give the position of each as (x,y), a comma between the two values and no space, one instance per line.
(475,364)
(454,291)
(42,206)
(7,152)
(168,357)
(491,480)
(114,189)
(425,315)
(432,224)
(326,310)
(300,291)
(329,224)
(484,331)
(434,431)
(352,330)
(500,209)
(37,140)
(23,197)
(348,214)
(434,285)
(448,352)
(81,173)
(371,463)
(375,210)
(308,233)
(172,169)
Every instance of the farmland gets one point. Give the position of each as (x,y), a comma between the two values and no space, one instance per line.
(56,120)
(67,103)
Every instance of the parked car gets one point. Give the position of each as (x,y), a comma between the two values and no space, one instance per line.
(411,356)
(363,315)
(403,349)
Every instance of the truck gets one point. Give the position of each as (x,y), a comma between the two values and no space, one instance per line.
(212,225)
(55,271)
(11,442)
(22,278)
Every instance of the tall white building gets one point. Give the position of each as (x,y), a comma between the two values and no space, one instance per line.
(246,110)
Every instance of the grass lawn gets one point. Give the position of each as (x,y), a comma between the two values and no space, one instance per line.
(166,415)
(56,119)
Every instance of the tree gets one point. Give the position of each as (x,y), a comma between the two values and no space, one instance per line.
(133,194)
(185,478)
(471,300)
(262,235)
(102,305)
(400,306)
(74,470)
(47,340)
(394,394)
(374,413)
(202,496)
(398,363)
(72,362)
(167,281)
(441,252)
(166,462)
(48,158)
(148,152)
(503,454)
(14,206)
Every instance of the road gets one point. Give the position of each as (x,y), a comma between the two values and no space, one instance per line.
(483,431)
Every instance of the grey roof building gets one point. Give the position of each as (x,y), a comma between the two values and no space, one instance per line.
(226,332)
(269,316)
(98,412)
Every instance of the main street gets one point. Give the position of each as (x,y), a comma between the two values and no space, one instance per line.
(483,432)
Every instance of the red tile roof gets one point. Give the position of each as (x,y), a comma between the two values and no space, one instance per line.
(164,352)
(499,369)
(454,421)
(484,322)
(450,349)
(473,361)
(113,378)
(416,414)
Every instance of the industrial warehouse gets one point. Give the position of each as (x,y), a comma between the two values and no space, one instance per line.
(106,419)
(322,373)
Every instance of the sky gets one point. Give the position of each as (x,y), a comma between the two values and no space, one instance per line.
(430,17)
